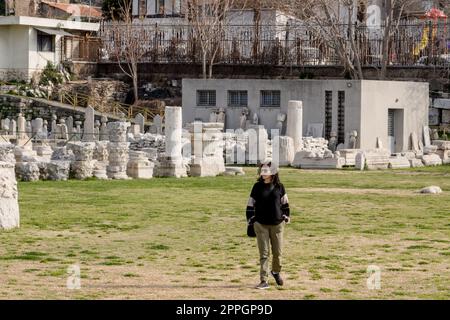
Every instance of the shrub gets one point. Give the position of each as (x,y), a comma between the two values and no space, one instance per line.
(50,74)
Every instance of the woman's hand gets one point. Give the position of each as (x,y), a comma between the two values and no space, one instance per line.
(287,219)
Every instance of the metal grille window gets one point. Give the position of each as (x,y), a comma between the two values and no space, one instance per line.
(206,98)
(237,99)
(341,117)
(391,123)
(328,113)
(270,98)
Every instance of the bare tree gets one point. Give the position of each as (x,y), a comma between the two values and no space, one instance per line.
(395,10)
(208,19)
(339,25)
(333,22)
(130,42)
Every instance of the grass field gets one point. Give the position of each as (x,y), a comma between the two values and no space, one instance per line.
(185,239)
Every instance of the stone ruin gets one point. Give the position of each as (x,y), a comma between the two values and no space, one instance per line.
(71,148)
(9,202)
(315,152)
(74,149)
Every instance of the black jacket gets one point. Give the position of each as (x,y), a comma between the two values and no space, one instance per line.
(268,204)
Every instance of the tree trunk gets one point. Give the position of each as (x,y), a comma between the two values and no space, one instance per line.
(386,36)
(204,66)
(210,70)
(135,83)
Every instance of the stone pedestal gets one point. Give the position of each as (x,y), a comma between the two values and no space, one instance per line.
(431,160)
(139,167)
(377,159)
(416,163)
(117,150)
(9,204)
(399,163)
(349,155)
(83,166)
(58,170)
(283,151)
(307,160)
(207,149)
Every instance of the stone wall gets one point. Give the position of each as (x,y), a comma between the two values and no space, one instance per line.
(148,72)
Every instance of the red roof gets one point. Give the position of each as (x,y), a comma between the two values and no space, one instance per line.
(77,10)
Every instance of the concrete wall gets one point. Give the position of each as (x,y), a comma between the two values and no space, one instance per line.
(311,92)
(378,97)
(38,60)
(14,52)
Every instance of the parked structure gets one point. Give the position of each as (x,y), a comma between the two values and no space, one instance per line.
(329,106)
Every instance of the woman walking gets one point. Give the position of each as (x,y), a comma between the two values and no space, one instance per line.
(268,211)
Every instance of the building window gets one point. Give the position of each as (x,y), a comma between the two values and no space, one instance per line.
(328,113)
(270,98)
(45,42)
(3,8)
(206,98)
(237,98)
(391,132)
(341,117)
(160,7)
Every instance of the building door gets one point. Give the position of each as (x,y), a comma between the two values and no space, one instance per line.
(391,130)
(396,135)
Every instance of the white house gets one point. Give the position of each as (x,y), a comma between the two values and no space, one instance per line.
(27,44)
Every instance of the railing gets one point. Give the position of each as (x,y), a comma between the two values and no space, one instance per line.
(81,48)
(416,43)
(113,108)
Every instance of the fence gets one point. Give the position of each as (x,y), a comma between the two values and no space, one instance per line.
(417,43)
(114,108)
(81,48)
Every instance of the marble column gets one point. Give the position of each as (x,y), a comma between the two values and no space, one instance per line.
(9,204)
(294,127)
(118,150)
(171,164)
(83,166)
(21,127)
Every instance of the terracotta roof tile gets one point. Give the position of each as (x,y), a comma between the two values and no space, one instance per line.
(78,10)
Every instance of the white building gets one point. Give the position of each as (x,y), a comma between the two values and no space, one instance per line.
(27,44)
(388,110)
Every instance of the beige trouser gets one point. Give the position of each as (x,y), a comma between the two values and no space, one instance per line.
(267,236)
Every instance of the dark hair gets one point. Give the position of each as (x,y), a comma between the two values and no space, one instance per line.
(275,177)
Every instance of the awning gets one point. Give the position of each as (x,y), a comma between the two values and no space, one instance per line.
(54,32)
